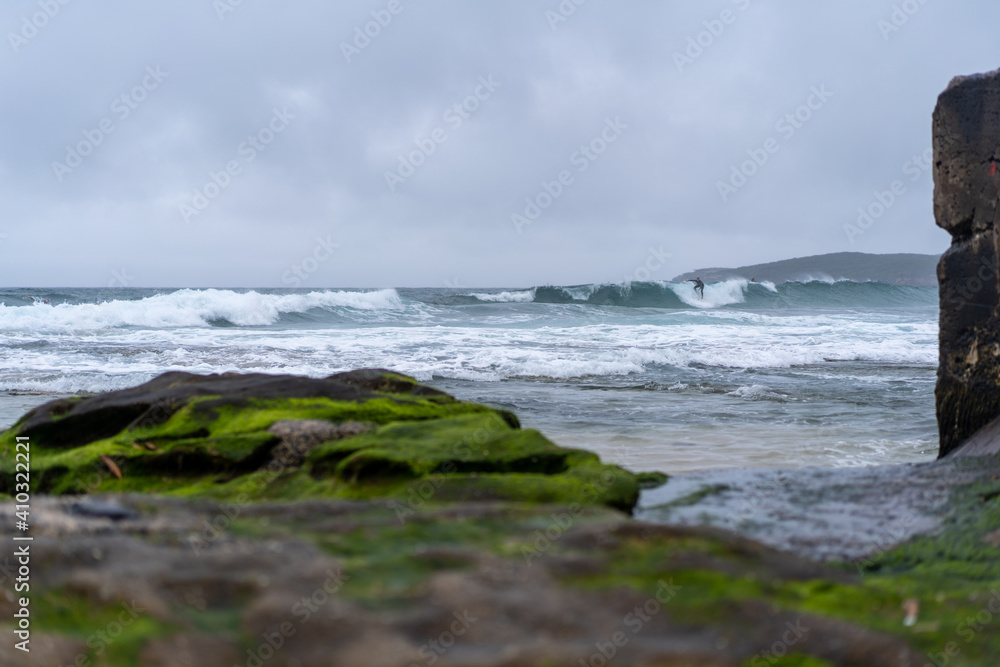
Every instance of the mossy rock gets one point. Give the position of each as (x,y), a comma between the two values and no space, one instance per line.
(387,436)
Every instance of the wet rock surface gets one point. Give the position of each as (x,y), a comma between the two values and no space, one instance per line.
(984,442)
(829,514)
(967,206)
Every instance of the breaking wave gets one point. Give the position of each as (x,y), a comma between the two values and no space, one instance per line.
(188,308)
(737,293)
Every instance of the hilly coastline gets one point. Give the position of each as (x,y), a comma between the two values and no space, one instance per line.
(896,269)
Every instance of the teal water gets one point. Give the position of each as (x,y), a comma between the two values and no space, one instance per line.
(648,374)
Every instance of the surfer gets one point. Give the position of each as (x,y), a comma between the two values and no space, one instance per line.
(699,286)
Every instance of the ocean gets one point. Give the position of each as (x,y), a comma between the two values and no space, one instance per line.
(812,373)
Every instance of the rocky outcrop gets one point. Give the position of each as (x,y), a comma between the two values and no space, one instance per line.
(346,583)
(416,529)
(984,442)
(967,205)
(363,434)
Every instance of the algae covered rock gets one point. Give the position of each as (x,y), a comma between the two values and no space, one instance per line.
(362,434)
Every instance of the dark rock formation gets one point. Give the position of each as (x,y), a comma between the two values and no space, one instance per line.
(72,422)
(984,442)
(966,188)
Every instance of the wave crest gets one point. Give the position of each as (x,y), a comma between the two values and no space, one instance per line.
(741,293)
(188,308)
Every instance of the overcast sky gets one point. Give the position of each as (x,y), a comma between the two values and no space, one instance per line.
(311,115)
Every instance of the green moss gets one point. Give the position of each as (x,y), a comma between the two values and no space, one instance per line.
(429,450)
(953,573)
(390,552)
(716,576)
(472,456)
(113,634)
(697,496)
(215,622)
(960,551)
(794,660)
(651,480)
(219,447)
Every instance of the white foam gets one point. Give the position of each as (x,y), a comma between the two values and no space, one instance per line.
(526,296)
(487,349)
(581,292)
(716,294)
(186,308)
(822,278)
(756,392)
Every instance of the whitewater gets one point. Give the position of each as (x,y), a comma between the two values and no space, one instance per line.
(820,372)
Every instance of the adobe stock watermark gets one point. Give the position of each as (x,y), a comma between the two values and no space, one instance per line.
(787,126)
(107,467)
(582,158)
(363,35)
(99,641)
(101,470)
(794,634)
(420,494)
(224,7)
(434,649)
(714,29)
(893,535)
(31,25)
(301,270)
(562,522)
(246,152)
(274,638)
(655,261)
(898,17)
(968,630)
(635,621)
(122,108)
(120,278)
(883,200)
(562,13)
(756,501)
(454,116)
(961,295)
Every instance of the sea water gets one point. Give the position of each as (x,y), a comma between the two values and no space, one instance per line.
(650,376)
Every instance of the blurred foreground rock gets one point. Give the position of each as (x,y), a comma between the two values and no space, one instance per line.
(187,583)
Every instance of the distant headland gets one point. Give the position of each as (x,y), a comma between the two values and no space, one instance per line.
(896,269)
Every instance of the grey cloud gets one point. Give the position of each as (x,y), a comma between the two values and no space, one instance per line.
(325,173)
